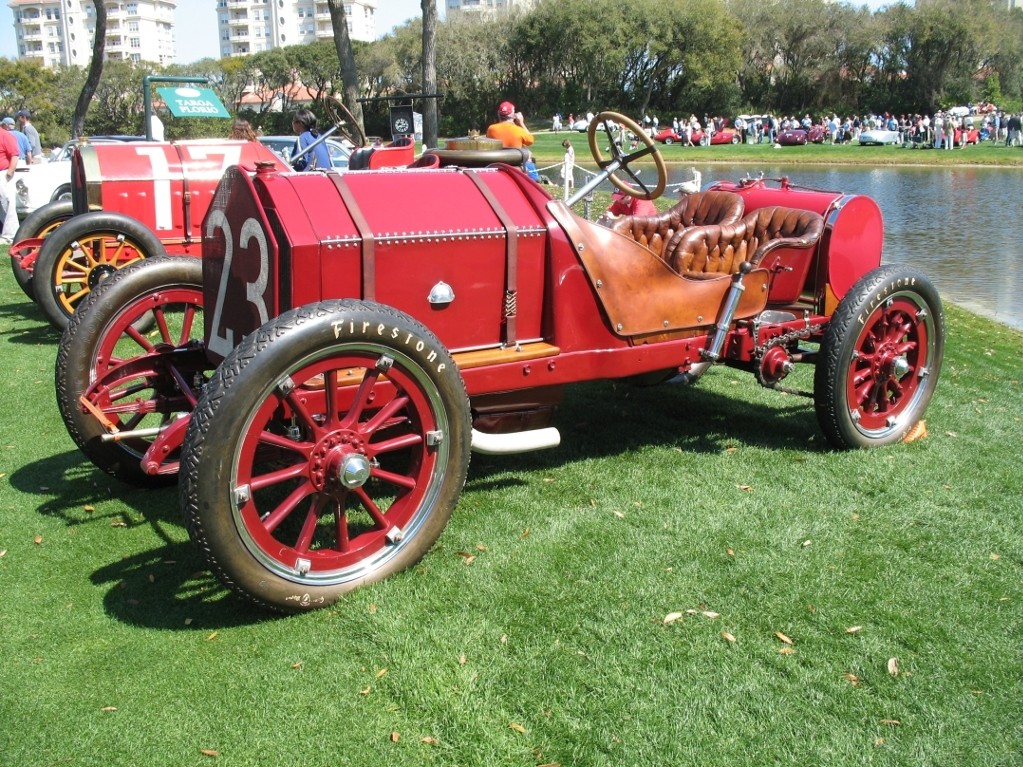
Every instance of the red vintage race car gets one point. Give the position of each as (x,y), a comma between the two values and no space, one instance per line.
(318,380)
(133,201)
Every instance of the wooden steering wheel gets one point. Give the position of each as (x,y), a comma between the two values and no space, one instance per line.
(347,126)
(643,191)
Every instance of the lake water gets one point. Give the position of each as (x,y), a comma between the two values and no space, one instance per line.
(960,226)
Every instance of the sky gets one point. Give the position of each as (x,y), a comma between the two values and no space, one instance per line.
(196,25)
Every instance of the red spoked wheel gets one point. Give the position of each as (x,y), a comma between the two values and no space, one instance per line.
(130,368)
(331,458)
(75,258)
(36,226)
(880,359)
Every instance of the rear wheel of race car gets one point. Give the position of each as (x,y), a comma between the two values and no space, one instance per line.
(113,379)
(704,140)
(327,452)
(880,359)
(669,140)
(82,253)
(735,138)
(37,225)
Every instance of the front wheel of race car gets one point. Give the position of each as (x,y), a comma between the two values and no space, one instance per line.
(880,359)
(327,452)
(37,225)
(130,367)
(78,256)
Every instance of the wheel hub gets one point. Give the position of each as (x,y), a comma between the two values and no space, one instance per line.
(99,273)
(339,463)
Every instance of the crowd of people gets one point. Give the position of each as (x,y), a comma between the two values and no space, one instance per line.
(945,129)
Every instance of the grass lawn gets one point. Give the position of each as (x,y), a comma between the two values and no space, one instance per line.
(547,149)
(691,578)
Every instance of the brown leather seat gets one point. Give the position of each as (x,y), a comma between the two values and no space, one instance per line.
(705,251)
(694,209)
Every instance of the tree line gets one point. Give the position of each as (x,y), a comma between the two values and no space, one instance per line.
(665,57)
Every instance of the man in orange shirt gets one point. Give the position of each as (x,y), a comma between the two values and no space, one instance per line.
(510,129)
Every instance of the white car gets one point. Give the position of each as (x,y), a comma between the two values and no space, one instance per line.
(46,182)
(879,136)
(283,146)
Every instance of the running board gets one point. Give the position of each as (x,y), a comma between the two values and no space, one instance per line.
(515,442)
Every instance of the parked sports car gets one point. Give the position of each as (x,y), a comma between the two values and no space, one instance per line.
(799,136)
(320,377)
(669,136)
(880,136)
(724,136)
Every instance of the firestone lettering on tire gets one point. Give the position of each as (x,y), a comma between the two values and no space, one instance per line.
(902,282)
(348,327)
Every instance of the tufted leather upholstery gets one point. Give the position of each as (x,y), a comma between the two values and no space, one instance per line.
(694,209)
(715,249)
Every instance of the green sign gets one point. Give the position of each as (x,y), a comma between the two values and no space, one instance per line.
(187,101)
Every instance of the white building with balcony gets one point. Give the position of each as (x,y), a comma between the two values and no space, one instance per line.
(251,26)
(485,7)
(60,32)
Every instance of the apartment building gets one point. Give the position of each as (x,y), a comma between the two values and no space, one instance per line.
(57,32)
(455,7)
(251,26)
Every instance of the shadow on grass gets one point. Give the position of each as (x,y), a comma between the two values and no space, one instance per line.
(170,588)
(26,311)
(605,419)
(166,587)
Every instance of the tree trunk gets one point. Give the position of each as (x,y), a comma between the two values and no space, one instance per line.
(431,118)
(345,54)
(99,45)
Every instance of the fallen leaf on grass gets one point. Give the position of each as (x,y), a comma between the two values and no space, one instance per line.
(782,637)
(893,666)
(297,664)
(919,431)
(109,708)
(517,727)
(854,630)
(395,737)
(711,614)
(89,508)
(381,673)
(745,488)
(467,558)
(431,741)
(116,523)
(891,722)
(806,543)
(3,552)
(730,637)
(209,752)
(619,514)
(37,540)
(671,618)
(461,660)
(878,741)
(372,608)
(212,636)
(366,691)
(995,556)
(786,650)
(729,552)
(852,679)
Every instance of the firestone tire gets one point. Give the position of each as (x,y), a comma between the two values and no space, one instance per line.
(82,253)
(39,223)
(880,359)
(149,380)
(327,452)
